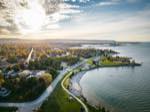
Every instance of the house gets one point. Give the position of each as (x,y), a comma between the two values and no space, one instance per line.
(36,73)
(29,73)
(25,73)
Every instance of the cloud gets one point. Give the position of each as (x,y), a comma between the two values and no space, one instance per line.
(81,1)
(74,18)
(20,16)
(107,3)
(4,31)
(131,26)
(133,1)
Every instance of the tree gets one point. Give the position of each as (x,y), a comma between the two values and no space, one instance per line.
(31,82)
(53,72)
(103,109)
(47,78)
(16,68)
(12,59)
(1,80)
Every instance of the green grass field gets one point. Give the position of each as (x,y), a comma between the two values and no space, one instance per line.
(112,63)
(59,102)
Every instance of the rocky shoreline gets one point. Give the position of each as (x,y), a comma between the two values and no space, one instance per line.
(75,87)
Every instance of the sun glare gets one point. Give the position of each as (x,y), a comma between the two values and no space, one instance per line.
(31,19)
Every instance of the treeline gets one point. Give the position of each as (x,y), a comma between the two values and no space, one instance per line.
(116,59)
(52,62)
(87,53)
(19,51)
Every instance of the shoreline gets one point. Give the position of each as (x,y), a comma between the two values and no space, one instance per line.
(75,86)
(76,89)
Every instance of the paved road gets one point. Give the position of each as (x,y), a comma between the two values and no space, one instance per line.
(29,106)
(29,56)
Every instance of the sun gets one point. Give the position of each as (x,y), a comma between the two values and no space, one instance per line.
(31,19)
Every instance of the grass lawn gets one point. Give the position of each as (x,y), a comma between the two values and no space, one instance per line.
(6,109)
(111,63)
(59,102)
(90,62)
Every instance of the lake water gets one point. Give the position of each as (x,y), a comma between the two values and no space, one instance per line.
(123,89)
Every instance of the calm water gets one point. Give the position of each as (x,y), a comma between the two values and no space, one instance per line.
(123,89)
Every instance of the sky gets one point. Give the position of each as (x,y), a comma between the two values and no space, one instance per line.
(121,20)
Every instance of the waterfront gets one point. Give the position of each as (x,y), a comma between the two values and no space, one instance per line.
(123,89)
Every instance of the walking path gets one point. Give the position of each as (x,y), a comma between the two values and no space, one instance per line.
(62,84)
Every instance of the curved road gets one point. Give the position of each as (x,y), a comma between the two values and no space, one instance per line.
(29,106)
